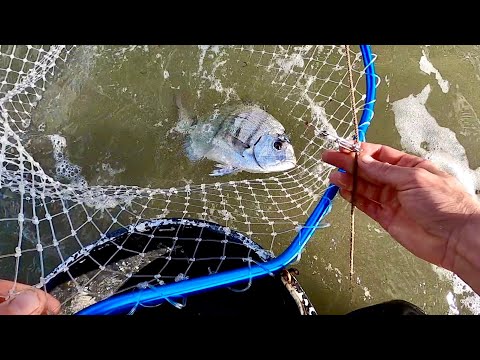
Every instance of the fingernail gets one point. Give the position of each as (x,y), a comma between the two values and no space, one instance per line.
(25,303)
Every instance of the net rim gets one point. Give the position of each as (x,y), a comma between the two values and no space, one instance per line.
(121,302)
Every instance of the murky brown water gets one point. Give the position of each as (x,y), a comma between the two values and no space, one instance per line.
(387,270)
(117,115)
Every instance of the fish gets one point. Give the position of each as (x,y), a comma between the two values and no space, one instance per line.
(238,137)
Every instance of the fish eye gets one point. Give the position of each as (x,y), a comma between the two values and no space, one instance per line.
(277,145)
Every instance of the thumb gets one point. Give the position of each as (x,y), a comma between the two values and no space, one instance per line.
(25,303)
(383,173)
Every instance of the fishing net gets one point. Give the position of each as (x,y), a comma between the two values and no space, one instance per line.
(85,240)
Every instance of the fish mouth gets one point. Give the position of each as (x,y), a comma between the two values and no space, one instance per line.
(283,166)
(290,164)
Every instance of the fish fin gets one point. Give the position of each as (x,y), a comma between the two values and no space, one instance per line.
(178,101)
(185,122)
(224,170)
(193,153)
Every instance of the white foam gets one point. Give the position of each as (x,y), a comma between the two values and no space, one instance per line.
(226,215)
(295,59)
(452,306)
(96,199)
(215,82)
(427,67)
(203,51)
(469,300)
(123,50)
(111,171)
(366,293)
(218,53)
(421,135)
(160,123)
(319,114)
(63,167)
(338,274)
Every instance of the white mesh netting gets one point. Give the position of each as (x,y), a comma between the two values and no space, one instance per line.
(51,224)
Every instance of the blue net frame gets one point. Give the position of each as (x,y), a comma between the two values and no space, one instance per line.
(124,302)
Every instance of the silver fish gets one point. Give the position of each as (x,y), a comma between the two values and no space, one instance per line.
(239,138)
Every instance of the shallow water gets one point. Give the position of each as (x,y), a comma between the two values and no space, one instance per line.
(412,105)
(115,123)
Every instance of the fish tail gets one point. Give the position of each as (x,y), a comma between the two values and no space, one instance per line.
(185,122)
(177,98)
(193,151)
(182,114)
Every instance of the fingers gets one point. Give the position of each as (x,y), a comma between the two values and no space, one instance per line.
(373,209)
(390,155)
(381,165)
(26,301)
(383,214)
(371,170)
(383,154)
(393,156)
(376,193)
(402,228)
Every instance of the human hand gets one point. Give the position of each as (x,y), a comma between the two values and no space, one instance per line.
(28,301)
(424,208)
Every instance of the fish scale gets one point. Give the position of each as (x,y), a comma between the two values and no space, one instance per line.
(240,138)
(252,122)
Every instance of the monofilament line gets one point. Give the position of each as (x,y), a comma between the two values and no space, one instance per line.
(355,165)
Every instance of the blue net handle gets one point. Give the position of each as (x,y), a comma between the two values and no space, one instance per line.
(124,302)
